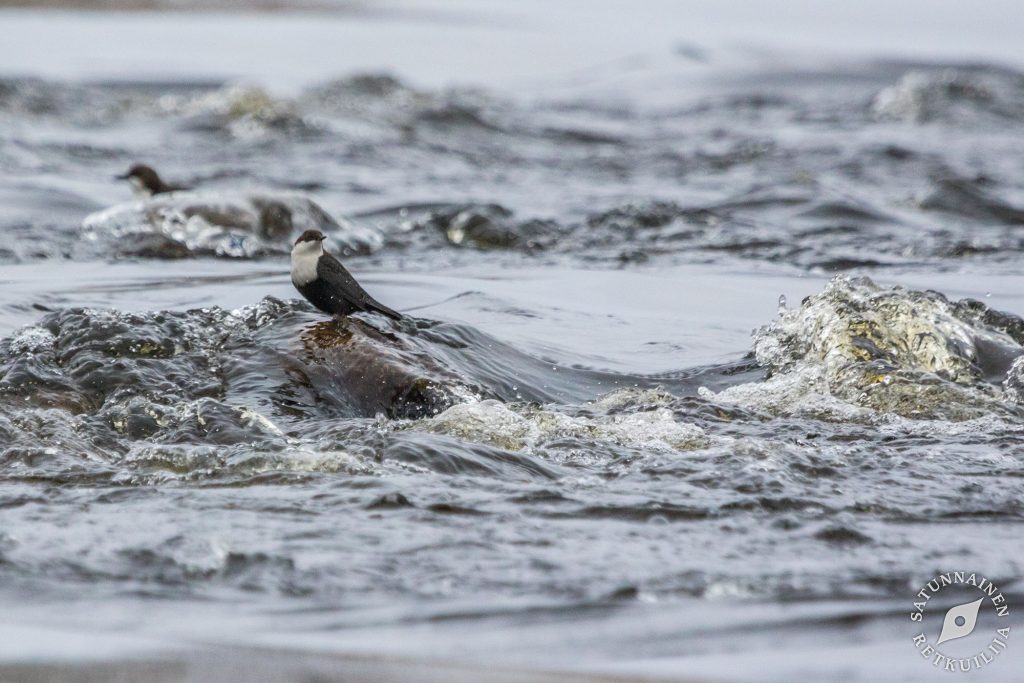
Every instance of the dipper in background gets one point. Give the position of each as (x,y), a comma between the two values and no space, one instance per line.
(326,283)
(146,182)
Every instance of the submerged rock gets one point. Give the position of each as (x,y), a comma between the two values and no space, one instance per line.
(221,224)
(859,349)
(374,371)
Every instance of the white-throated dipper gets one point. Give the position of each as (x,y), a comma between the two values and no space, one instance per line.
(326,283)
(146,182)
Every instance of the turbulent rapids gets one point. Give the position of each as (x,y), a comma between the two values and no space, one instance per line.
(594,433)
(124,389)
(907,203)
(95,383)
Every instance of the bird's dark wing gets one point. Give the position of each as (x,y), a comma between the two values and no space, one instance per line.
(344,286)
(164,188)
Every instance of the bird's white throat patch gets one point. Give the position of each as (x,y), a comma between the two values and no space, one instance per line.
(305,256)
(139,188)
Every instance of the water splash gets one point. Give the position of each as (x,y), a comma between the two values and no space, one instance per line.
(858,350)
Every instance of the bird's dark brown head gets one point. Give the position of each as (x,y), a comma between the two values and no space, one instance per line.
(311,236)
(145,176)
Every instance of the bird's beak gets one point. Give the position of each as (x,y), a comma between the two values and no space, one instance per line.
(123,176)
(322,238)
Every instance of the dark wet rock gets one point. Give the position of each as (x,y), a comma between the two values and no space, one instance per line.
(456,115)
(897,152)
(842,535)
(493,229)
(962,249)
(828,233)
(579,136)
(275,221)
(487,226)
(205,421)
(153,245)
(640,230)
(978,313)
(453,509)
(390,501)
(481,229)
(94,357)
(635,232)
(643,216)
(353,365)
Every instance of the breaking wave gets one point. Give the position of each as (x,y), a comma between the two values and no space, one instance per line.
(860,351)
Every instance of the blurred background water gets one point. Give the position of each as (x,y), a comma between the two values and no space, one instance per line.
(573,455)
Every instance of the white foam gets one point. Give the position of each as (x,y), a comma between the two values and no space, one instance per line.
(516,427)
(32,340)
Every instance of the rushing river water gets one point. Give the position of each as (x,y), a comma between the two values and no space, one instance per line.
(572,453)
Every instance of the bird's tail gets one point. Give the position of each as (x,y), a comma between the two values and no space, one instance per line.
(381,308)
